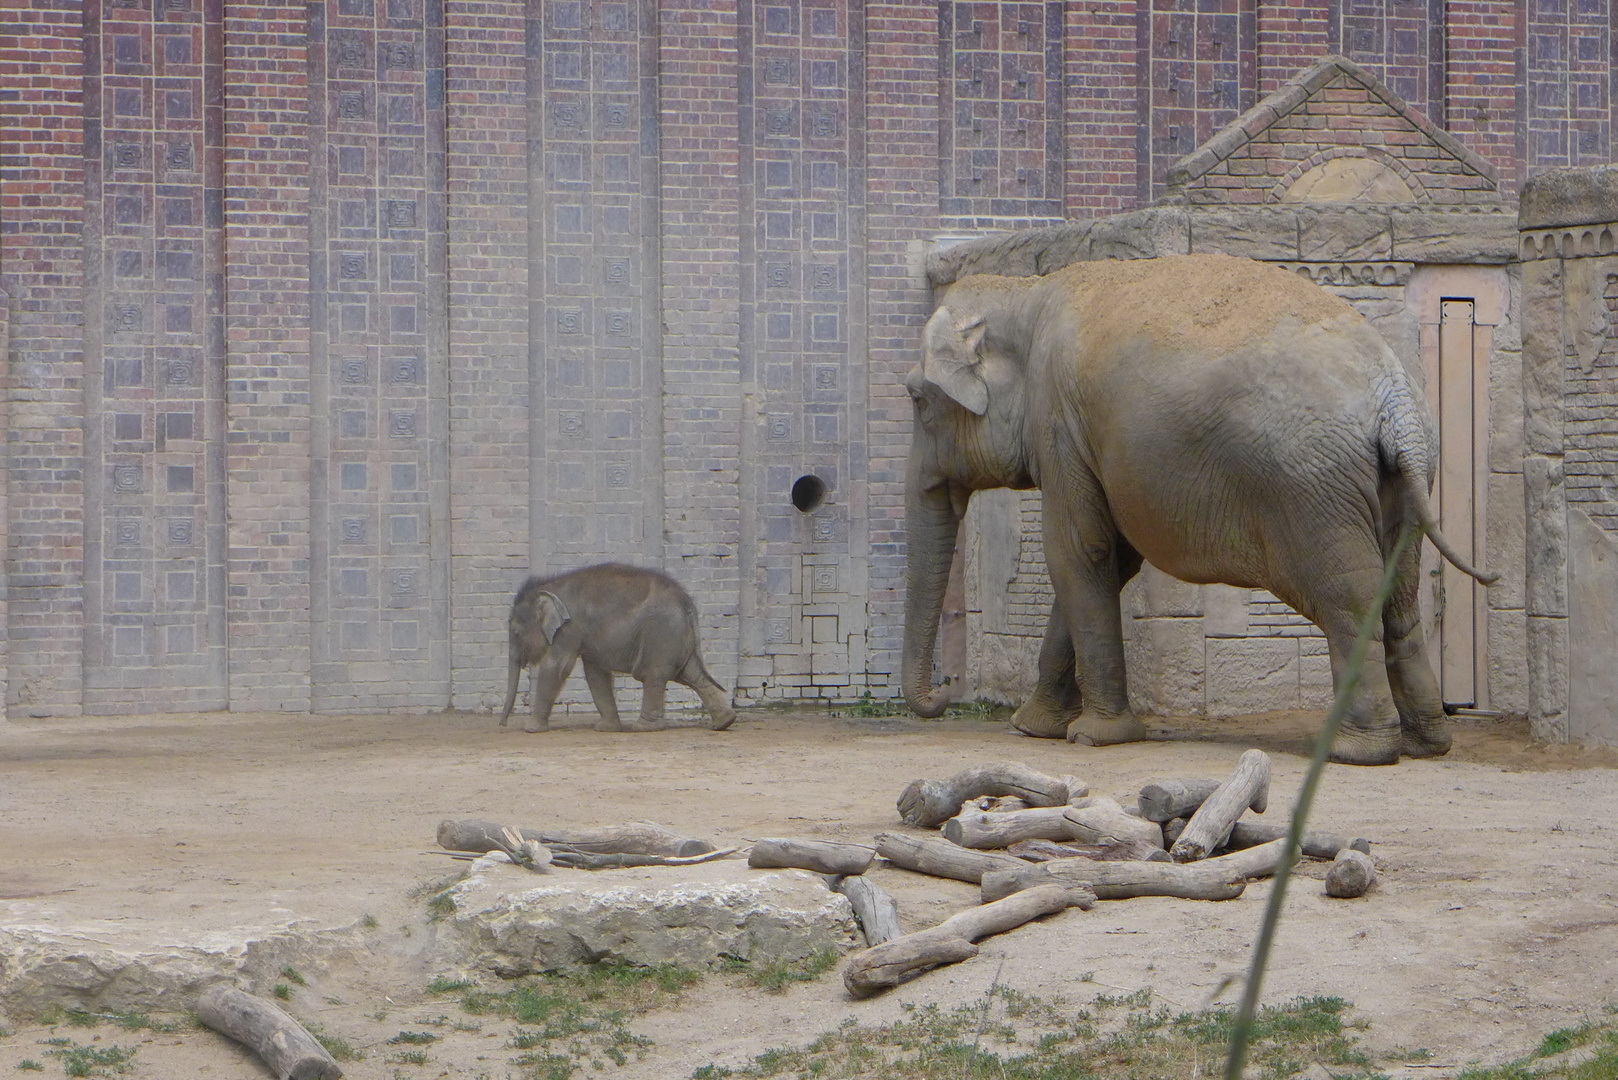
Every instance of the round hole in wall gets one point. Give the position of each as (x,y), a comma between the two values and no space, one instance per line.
(808,492)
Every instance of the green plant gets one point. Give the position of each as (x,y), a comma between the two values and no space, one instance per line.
(409,1057)
(291,975)
(414,1037)
(30,1065)
(337,1046)
(442,905)
(282,991)
(443,984)
(369,922)
(79,1059)
(776,975)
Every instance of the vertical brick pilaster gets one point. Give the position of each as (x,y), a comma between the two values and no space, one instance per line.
(1102,87)
(903,188)
(41,248)
(1292,34)
(1485,98)
(700,295)
(267,351)
(488,326)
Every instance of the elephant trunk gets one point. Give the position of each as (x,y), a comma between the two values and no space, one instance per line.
(931,527)
(512,679)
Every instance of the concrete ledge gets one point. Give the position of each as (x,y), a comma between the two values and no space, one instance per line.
(1570,196)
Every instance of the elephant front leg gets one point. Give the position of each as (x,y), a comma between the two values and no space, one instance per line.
(653,691)
(549,676)
(599,679)
(1086,557)
(1055,701)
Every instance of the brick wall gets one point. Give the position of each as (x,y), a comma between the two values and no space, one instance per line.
(329,322)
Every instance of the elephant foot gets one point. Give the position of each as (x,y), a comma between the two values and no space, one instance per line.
(608,725)
(723,722)
(644,725)
(1088,729)
(1041,719)
(1356,746)
(1424,740)
(535,729)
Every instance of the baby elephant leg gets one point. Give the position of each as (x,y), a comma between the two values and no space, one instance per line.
(549,676)
(599,680)
(653,691)
(720,711)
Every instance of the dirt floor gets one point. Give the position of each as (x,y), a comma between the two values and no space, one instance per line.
(1494,921)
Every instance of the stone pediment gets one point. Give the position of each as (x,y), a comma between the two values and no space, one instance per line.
(1333,134)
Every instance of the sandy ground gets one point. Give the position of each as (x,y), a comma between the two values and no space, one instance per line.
(1494,921)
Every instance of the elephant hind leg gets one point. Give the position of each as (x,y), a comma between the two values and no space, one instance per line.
(695,675)
(1424,729)
(1370,730)
(1056,699)
(654,689)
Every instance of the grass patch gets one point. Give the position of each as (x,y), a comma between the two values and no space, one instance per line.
(1015,1036)
(776,975)
(291,975)
(80,1059)
(337,1046)
(282,991)
(414,1038)
(130,1020)
(581,1015)
(409,1057)
(30,1065)
(445,985)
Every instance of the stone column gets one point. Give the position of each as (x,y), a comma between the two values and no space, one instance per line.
(1568,221)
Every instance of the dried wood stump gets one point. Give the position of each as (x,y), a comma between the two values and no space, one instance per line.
(875,910)
(1174,798)
(1104,822)
(1127,851)
(940,858)
(1121,880)
(290,1051)
(639,838)
(930,803)
(1316,845)
(988,829)
(950,942)
(821,856)
(1247,786)
(1352,873)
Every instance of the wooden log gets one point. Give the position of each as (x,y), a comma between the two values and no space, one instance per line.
(1316,845)
(1254,862)
(950,942)
(1128,851)
(984,829)
(1104,822)
(875,910)
(929,803)
(290,1051)
(1351,874)
(639,838)
(1172,828)
(936,856)
(821,856)
(1119,880)
(1247,786)
(584,860)
(995,804)
(1174,798)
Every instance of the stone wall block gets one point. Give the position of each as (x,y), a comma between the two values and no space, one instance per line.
(1248,675)
(1592,624)
(1144,234)
(1508,661)
(1161,595)
(1542,360)
(1224,611)
(1505,410)
(1269,235)
(1569,196)
(1314,673)
(1008,664)
(1547,678)
(1503,543)
(1461,237)
(1164,659)
(1545,542)
(1344,234)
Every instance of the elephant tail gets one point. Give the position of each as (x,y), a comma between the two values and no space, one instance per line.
(512,679)
(1405,447)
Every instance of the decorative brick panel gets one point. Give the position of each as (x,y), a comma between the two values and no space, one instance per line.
(1102,109)
(1203,70)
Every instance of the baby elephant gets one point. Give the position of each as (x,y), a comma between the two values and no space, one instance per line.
(615,618)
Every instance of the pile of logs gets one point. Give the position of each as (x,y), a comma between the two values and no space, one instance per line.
(1037,844)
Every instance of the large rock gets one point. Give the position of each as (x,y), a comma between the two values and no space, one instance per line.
(1569,196)
(511,922)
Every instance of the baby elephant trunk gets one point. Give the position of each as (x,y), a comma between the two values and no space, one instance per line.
(512,678)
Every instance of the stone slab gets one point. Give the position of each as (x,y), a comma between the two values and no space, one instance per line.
(512,922)
(1251,675)
(1164,659)
(1592,571)
(1569,196)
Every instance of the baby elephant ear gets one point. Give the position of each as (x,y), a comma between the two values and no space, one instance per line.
(552,614)
(950,359)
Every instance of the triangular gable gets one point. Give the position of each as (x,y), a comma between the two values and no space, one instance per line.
(1334,133)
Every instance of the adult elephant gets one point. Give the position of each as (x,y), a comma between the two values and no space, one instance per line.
(1224,419)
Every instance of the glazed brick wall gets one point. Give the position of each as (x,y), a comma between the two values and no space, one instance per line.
(41,259)
(267,318)
(1073,111)
(488,336)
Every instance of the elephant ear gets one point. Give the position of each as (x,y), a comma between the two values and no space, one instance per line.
(951,358)
(552,614)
